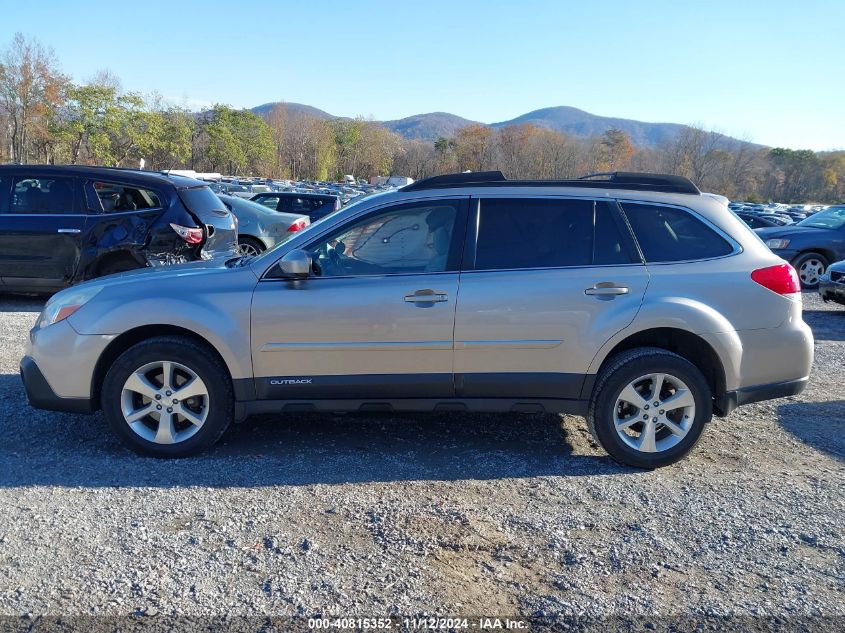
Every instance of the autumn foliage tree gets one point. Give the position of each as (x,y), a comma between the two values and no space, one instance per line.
(44,117)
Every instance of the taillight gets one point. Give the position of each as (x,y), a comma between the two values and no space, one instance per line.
(298,225)
(190,235)
(781,279)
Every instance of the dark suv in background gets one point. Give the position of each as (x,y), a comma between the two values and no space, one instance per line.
(64,224)
(314,205)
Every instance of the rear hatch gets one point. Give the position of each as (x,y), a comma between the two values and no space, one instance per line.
(219,224)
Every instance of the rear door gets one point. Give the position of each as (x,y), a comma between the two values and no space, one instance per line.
(545,283)
(41,228)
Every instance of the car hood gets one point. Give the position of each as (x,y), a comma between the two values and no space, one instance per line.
(792,231)
(160,273)
(838,266)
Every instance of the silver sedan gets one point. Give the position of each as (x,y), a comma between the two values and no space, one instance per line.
(260,228)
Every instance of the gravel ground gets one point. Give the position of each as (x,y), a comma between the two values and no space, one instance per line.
(451,514)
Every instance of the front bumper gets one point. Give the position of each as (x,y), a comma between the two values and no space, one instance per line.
(41,395)
(831,290)
(62,360)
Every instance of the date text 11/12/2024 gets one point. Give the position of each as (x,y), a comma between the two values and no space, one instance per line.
(419,623)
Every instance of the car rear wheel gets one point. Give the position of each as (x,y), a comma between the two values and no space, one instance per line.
(810,267)
(649,407)
(168,397)
(249,246)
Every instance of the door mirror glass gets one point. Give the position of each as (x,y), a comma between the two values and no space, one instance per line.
(296,264)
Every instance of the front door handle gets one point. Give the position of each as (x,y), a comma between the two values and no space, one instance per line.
(73,231)
(426,296)
(605,289)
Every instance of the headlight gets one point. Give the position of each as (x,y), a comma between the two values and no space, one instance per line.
(777,244)
(65,303)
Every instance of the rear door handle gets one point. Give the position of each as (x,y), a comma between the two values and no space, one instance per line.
(73,231)
(602,290)
(426,296)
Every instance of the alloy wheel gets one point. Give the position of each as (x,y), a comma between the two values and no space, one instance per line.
(810,271)
(654,413)
(248,249)
(164,402)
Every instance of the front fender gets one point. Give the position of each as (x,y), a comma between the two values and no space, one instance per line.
(218,313)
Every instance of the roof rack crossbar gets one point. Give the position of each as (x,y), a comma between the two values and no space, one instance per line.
(666,183)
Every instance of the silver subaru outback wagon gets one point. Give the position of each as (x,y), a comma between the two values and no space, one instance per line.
(630,299)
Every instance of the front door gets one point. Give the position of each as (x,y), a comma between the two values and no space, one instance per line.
(550,281)
(376,317)
(41,228)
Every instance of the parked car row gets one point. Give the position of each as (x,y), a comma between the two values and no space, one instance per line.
(810,245)
(345,191)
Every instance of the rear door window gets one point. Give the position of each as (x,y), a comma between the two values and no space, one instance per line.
(112,197)
(668,234)
(42,196)
(534,233)
(613,243)
(516,233)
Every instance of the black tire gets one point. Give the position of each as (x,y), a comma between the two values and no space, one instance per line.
(202,361)
(807,259)
(250,243)
(625,368)
(117,264)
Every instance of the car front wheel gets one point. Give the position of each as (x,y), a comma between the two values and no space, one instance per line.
(649,407)
(168,397)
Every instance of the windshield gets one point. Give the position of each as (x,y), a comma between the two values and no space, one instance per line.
(270,253)
(832,218)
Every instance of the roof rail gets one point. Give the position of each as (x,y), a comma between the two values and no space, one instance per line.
(455,180)
(641,178)
(636,181)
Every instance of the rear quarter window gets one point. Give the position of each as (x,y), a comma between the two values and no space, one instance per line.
(667,234)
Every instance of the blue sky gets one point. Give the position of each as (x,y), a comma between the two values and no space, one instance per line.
(771,71)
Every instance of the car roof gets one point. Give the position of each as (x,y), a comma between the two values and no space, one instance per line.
(136,176)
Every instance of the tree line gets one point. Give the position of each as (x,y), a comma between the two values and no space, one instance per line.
(47,118)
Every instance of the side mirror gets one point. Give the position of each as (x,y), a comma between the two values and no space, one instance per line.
(296,264)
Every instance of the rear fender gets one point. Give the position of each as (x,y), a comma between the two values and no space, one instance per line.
(690,316)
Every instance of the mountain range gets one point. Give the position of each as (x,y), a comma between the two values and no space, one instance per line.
(568,120)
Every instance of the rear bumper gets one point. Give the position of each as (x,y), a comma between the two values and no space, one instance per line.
(41,395)
(758,393)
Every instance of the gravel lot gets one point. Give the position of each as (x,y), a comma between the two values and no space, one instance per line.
(452,514)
